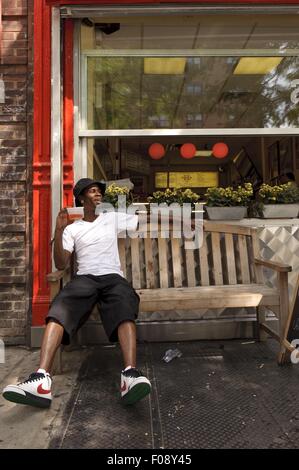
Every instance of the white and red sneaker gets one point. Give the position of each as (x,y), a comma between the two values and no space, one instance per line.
(133,386)
(35,391)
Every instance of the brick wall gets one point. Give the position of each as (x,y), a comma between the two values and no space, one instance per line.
(15,169)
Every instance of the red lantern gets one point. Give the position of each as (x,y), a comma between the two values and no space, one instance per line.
(188,151)
(156,151)
(220,150)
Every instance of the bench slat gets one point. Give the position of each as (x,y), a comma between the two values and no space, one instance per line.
(190,267)
(136,278)
(221,227)
(122,255)
(149,263)
(230,259)
(216,253)
(203,258)
(163,262)
(243,259)
(258,270)
(241,295)
(176,262)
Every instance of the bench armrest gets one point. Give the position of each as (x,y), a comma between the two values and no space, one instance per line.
(57,275)
(280,267)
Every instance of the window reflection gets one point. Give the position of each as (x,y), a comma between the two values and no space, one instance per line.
(215,88)
(122,96)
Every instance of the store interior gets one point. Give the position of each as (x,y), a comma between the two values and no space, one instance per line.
(189,162)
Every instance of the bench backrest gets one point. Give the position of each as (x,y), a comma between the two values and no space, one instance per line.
(225,257)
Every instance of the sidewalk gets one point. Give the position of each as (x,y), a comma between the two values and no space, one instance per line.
(219,394)
(24,427)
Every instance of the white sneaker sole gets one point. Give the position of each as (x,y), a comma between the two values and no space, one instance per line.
(17,395)
(138,391)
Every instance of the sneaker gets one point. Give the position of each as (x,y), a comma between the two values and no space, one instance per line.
(35,391)
(134,386)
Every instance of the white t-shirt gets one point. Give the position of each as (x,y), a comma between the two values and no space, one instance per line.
(95,243)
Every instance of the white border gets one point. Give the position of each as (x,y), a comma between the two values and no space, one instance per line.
(56,157)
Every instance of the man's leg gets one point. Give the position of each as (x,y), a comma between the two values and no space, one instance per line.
(134,386)
(69,308)
(119,308)
(51,342)
(36,390)
(127,341)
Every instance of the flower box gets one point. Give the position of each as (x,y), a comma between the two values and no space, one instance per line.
(280,211)
(226,213)
(228,203)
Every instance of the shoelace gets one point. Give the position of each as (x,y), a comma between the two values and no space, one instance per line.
(34,377)
(132,373)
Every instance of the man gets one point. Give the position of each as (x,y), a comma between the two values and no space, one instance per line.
(99,280)
(288,177)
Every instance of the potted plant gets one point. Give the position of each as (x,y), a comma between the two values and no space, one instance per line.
(280,201)
(170,196)
(228,203)
(113,191)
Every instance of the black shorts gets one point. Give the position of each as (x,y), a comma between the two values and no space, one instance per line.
(116,299)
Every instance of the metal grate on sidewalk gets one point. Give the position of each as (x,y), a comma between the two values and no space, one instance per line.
(228,394)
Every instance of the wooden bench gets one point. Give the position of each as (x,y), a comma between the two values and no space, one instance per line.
(225,272)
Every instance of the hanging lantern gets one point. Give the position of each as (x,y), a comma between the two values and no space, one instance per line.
(220,150)
(188,151)
(156,151)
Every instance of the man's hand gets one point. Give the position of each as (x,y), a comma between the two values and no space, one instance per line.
(62,220)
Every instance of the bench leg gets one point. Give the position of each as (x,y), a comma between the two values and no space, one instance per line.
(57,363)
(283,355)
(261,318)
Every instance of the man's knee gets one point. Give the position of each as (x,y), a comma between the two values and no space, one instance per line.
(53,320)
(127,324)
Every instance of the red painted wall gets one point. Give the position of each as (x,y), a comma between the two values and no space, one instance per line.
(41,160)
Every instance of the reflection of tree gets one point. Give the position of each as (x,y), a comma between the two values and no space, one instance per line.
(120,85)
(278,109)
(132,99)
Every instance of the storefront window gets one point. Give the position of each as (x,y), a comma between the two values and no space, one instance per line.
(176,92)
(200,80)
(195,72)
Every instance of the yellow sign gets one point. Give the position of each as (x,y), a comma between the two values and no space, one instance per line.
(192,179)
(161,180)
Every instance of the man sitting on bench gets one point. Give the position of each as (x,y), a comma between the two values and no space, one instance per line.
(99,280)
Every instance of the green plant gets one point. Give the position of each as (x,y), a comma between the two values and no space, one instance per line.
(281,194)
(112,193)
(223,197)
(170,196)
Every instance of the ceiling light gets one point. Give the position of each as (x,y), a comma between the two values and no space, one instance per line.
(164,65)
(256,65)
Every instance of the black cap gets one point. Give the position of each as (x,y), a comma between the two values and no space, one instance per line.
(85,183)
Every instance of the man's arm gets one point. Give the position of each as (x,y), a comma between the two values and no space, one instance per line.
(61,256)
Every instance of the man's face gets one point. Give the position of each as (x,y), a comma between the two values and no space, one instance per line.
(91,196)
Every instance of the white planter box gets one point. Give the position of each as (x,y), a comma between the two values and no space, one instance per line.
(226,213)
(280,211)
